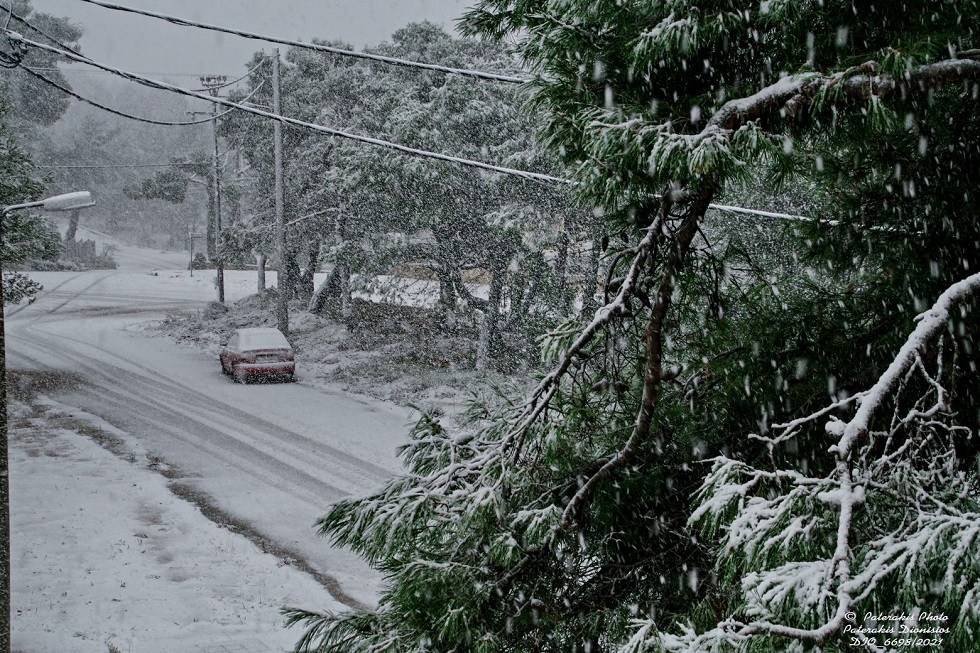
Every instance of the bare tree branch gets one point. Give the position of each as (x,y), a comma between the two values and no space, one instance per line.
(653,370)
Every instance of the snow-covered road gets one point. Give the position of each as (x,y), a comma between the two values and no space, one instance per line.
(268,457)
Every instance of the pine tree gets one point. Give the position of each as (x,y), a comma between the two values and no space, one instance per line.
(667,485)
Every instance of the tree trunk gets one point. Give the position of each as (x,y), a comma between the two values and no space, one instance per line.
(290,278)
(346,307)
(491,320)
(260,265)
(447,290)
(561,271)
(72,228)
(305,284)
(329,289)
(447,263)
(334,294)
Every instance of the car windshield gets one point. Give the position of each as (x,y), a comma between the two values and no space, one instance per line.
(262,339)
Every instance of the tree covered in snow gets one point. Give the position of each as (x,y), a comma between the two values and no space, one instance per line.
(374,209)
(313,89)
(754,437)
(88,148)
(32,102)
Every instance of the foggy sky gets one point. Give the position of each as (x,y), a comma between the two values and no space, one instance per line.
(143,44)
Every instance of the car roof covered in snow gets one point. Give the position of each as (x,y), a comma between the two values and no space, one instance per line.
(261,338)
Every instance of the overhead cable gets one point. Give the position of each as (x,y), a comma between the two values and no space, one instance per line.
(34,28)
(13,58)
(51,69)
(151,121)
(366,139)
(61,44)
(99,166)
(146,81)
(314,46)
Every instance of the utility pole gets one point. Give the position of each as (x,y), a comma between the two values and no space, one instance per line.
(282,304)
(213,83)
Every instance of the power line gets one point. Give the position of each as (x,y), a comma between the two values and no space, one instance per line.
(52,69)
(533,176)
(60,44)
(335,132)
(151,121)
(93,166)
(312,46)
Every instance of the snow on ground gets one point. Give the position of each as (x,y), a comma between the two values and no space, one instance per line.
(105,557)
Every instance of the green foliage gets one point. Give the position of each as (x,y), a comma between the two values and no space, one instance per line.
(397,209)
(200,262)
(24,234)
(559,520)
(169,185)
(18,184)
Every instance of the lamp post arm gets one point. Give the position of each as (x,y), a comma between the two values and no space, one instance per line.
(16,207)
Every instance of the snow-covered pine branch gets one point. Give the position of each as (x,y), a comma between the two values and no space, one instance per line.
(554,523)
(891,527)
(794,92)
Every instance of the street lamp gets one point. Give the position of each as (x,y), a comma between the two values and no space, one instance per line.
(66,202)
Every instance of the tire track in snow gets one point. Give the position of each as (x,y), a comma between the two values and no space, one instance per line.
(51,292)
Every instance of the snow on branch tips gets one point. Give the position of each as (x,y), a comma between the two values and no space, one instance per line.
(794,92)
(887,524)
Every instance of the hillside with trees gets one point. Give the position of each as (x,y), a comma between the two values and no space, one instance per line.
(370,212)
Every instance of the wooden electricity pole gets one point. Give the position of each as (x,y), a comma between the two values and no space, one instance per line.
(213,83)
(282,304)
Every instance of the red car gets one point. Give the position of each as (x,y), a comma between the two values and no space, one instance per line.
(257,352)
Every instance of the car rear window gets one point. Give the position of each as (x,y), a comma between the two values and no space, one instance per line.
(264,339)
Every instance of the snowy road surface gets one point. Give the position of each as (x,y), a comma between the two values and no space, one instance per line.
(106,558)
(269,457)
